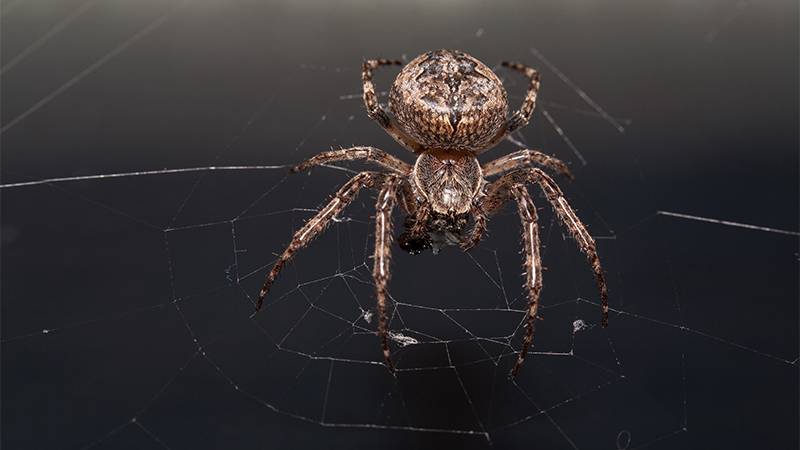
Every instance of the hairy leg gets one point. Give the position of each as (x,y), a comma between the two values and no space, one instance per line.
(478,228)
(371,154)
(317,224)
(533,266)
(383,256)
(523,158)
(407,199)
(494,200)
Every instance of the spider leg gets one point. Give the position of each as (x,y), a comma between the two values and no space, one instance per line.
(376,112)
(523,158)
(498,193)
(423,214)
(565,214)
(317,224)
(408,201)
(521,116)
(370,154)
(478,228)
(383,256)
(507,163)
(533,266)
(415,238)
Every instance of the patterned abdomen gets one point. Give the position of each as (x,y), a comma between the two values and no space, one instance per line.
(449,100)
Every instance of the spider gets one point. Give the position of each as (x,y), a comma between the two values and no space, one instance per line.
(447,108)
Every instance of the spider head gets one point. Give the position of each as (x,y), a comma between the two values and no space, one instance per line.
(449,100)
(449,181)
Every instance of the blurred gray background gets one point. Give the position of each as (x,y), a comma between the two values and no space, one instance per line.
(125,319)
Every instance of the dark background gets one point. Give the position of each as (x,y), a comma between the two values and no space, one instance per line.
(126,302)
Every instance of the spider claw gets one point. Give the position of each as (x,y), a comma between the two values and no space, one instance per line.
(515,369)
(262,295)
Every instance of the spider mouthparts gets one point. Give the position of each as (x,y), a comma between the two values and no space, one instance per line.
(413,244)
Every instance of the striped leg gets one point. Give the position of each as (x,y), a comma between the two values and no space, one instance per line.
(496,197)
(383,257)
(533,266)
(523,158)
(371,154)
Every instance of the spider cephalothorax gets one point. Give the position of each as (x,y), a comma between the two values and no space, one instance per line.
(447,107)
(449,181)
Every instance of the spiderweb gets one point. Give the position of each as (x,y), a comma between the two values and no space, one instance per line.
(128,295)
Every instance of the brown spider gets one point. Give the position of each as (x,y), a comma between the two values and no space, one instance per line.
(447,107)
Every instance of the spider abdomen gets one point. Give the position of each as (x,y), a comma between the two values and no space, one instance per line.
(447,99)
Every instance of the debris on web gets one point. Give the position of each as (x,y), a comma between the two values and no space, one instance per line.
(578,326)
(402,339)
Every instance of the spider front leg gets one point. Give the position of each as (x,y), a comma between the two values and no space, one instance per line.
(370,154)
(382,258)
(302,237)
